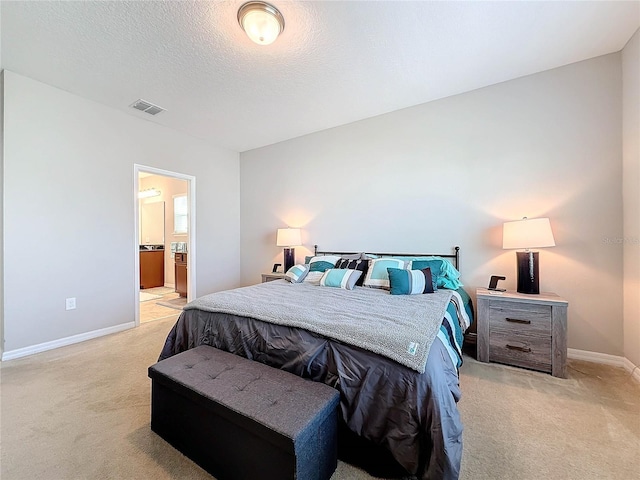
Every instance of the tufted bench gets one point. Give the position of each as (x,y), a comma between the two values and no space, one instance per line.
(241,419)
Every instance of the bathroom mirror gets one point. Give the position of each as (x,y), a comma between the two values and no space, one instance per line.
(152,223)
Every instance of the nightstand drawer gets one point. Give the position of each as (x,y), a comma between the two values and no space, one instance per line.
(523,351)
(527,319)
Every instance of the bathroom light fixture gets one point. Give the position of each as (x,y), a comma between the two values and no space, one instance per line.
(149,192)
(262,22)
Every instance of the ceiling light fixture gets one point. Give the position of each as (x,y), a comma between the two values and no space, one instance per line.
(261,21)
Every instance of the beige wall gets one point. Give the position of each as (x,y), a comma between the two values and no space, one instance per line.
(631,195)
(168,187)
(69,211)
(450,172)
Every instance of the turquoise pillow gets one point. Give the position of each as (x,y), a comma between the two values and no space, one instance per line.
(340,278)
(445,274)
(411,282)
(449,283)
(322,263)
(320,266)
(435,265)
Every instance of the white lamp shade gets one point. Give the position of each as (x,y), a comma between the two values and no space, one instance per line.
(528,233)
(288,237)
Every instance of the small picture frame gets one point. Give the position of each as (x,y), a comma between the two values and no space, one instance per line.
(275,267)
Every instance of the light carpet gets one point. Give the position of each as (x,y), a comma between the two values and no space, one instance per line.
(82,412)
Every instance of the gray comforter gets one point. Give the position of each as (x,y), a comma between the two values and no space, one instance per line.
(411,414)
(401,327)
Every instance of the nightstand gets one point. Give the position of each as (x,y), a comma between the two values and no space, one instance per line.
(527,331)
(270,277)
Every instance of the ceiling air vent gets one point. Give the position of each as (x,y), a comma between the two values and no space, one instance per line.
(147,107)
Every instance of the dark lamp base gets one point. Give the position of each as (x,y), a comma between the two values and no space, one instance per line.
(289,258)
(528,281)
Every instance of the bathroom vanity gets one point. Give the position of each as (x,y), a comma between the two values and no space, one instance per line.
(151,266)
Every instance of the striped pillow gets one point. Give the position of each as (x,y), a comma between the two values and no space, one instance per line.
(296,273)
(340,278)
(410,282)
(355,264)
(377,275)
(313,278)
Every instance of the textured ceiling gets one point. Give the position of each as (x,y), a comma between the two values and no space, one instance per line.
(335,63)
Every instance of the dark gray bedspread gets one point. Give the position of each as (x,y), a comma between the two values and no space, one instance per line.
(413,415)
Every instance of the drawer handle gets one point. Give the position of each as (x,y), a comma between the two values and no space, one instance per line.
(519,348)
(517,320)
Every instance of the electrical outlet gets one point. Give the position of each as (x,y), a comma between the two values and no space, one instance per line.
(71,303)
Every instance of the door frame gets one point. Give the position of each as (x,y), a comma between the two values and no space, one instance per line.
(191,243)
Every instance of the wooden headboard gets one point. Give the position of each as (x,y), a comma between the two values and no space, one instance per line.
(454,258)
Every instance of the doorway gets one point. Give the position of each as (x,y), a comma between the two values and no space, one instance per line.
(164,277)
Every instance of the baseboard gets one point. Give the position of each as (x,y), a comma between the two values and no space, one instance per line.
(635,370)
(63,342)
(605,359)
(170,285)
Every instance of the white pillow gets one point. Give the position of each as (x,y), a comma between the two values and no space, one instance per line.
(377,275)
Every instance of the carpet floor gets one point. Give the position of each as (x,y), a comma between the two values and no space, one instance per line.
(82,412)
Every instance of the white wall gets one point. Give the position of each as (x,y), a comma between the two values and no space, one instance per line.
(631,195)
(69,211)
(450,172)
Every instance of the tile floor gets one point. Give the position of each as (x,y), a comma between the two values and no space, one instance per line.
(150,310)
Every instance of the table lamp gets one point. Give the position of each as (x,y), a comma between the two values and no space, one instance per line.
(526,234)
(288,238)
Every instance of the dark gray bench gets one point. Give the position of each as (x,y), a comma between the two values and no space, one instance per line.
(241,419)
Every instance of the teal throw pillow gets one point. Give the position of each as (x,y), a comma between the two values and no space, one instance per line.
(410,282)
(340,278)
(445,274)
(322,263)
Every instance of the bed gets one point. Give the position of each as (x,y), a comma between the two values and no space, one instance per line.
(397,396)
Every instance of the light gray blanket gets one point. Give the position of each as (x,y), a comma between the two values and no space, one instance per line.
(400,327)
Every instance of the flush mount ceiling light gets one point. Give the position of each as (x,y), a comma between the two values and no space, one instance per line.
(261,21)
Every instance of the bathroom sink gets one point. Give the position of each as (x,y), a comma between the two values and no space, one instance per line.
(151,247)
